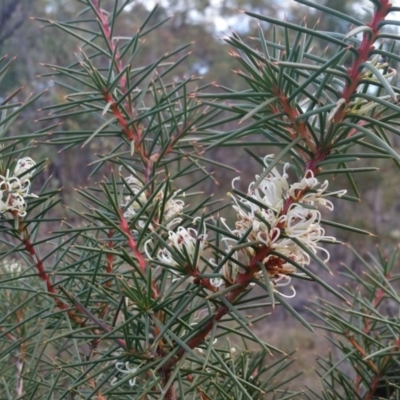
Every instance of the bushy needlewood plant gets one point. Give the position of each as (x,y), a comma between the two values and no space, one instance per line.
(151,289)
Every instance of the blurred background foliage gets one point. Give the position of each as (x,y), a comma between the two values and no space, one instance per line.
(203,22)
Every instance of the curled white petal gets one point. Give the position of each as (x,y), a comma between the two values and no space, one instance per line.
(114,381)
(124,368)
(287,296)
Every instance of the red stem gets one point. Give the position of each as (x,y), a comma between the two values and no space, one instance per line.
(243,279)
(139,256)
(367,44)
(51,289)
(300,127)
(379,294)
(171,393)
(105,26)
(374,385)
(46,278)
(133,133)
(109,270)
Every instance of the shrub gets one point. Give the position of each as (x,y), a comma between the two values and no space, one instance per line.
(146,289)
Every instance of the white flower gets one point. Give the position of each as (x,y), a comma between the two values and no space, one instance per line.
(124,368)
(230,269)
(136,186)
(16,202)
(280,281)
(271,190)
(132,206)
(187,243)
(23,165)
(301,222)
(277,215)
(262,214)
(311,192)
(12,267)
(12,184)
(173,207)
(216,282)
(307,183)
(290,250)
(15,189)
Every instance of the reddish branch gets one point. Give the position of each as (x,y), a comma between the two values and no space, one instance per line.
(300,127)
(170,393)
(139,256)
(109,270)
(374,385)
(362,352)
(364,51)
(95,320)
(29,246)
(46,278)
(132,244)
(379,294)
(105,27)
(51,289)
(133,132)
(9,335)
(243,280)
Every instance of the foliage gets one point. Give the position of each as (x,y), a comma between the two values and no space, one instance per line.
(369,335)
(153,288)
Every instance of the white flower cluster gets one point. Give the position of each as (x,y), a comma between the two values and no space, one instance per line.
(281,216)
(188,245)
(172,207)
(15,188)
(11,267)
(281,212)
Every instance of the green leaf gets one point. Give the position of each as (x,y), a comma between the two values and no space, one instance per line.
(382,144)
(380,78)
